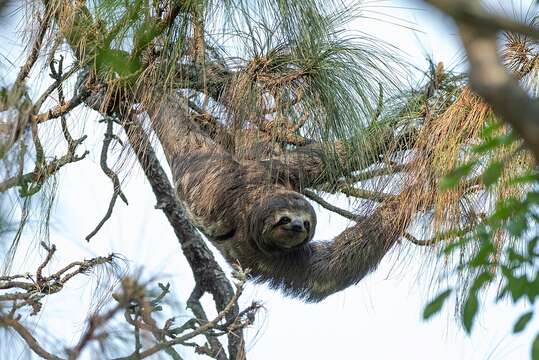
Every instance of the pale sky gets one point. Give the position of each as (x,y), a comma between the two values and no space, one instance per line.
(378,319)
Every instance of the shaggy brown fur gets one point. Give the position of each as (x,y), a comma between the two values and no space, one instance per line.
(255,217)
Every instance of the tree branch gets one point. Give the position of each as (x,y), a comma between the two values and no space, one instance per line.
(61,109)
(34,52)
(27,337)
(116,188)
(488,77)
(39,175)
(207,273)
(229,308)
(318,199)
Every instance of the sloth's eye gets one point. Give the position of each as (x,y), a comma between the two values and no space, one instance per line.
(284,220)
(306,224)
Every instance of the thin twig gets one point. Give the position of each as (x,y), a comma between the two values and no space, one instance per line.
(344,213)
(29,339)
(62,109)
(367,194)
(193,303)
(45,172)
(54,86)
(34,52)
(50,252)
(117,191)
(198,331)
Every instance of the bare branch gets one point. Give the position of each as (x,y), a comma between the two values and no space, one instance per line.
(27,337)
(34,52)
(472,12)
(62,109)
(202,329)
(418,242)
(40,175)
(94,323)
(117,191)
(216,349)
(45,285)
(367,194)
(34,289)
(50,252)
(344,213)
(59,81)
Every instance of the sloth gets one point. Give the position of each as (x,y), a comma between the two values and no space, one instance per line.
(254,214)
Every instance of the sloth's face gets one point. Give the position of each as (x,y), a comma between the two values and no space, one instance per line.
(288,229)
(282,222)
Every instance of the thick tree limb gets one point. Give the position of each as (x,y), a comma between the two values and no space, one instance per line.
(471,11)
(207,273)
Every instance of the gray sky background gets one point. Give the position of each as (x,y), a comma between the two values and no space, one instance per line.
(378,319)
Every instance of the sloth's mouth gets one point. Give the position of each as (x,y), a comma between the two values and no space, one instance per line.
(294,238)
(296,231)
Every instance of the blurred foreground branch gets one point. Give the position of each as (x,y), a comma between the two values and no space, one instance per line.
(138,306)
(488,76)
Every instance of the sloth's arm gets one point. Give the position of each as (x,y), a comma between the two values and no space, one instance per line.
(329,267)
(177,133)
(204,173)
(309,165)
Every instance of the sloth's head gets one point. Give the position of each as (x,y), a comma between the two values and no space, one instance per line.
(284,221)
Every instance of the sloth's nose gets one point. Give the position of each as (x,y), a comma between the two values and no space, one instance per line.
(297,225)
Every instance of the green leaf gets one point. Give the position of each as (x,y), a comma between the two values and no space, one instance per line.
(145,34)
(436,305)
(490,129)
(532,247)
(515,258)
(535,348)
(506,209)
(518,225)
(533,289)
(482,257)
(493,143)
(453,178)
(112,61)
(524,179)
(469,311)
(492,173)
(456,244)
(522,322)
(480,281)
(533,197)
(518,286)
(472,303)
